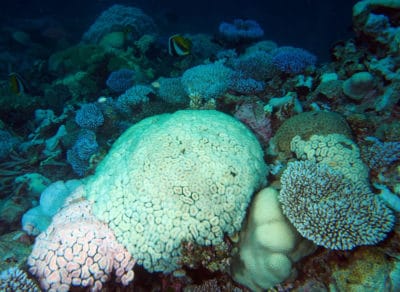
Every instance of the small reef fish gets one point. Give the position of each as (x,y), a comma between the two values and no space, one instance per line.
(179,45)
(17,83)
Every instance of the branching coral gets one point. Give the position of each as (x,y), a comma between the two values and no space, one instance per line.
(330,209)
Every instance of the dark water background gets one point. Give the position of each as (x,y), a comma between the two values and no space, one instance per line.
(312,24)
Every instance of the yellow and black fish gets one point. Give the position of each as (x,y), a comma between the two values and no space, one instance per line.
(17,83)
(179,45)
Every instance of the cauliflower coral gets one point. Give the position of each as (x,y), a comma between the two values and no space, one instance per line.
(79,250)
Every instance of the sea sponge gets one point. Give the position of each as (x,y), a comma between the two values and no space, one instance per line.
(268,245)
(358,85)
(187,176)
(307,124)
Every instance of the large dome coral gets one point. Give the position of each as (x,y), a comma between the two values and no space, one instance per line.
(187,176)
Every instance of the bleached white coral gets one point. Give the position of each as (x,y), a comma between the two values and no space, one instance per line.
(268,246)
(188,176)
(335,150)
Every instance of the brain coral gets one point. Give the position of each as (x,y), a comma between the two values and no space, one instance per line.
(335,150)
(331,210)
(77,249)
(307,124)
(187,176)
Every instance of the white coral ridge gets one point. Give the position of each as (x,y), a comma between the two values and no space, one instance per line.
(336,151)
(187,176)
(268,246)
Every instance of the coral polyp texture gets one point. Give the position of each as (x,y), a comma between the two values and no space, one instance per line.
(292,60)
(330,209)
(335,150)
(187,176)
(120,18)
(241,30)
(378,155)
(171,90)
(120,80)
(132,98)
(89,116)
(16,280)
(307,124)
(207,81)
(79,250)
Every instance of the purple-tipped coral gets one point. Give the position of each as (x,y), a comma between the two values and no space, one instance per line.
(78,156)
(132,98)
(89,116)
(119,18)
(120,80)
(253,115)
(379,154)
(241,30)
(292,60)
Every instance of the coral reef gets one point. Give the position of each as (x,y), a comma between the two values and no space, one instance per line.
(89,116)
(171,90)
(253,115)
(307,124)
(118,18)
(177,196)
(292,60)
(79,155)
(79,250)
(207,81)
(241,30)
(174,178)
(15,279)
(120,80)
(268,246)
(330,209)
(336,151)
